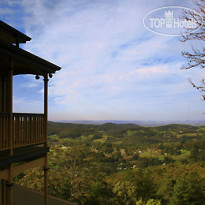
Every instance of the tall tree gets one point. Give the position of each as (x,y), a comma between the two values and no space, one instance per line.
(189,190)
(196,58)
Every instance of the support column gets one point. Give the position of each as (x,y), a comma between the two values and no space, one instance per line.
(3,106)
(46,139)
(1,94)
(10,110)
(9,195)
(46,181)
(46,108)
(3,192)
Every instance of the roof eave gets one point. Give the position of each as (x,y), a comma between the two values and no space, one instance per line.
(35,64)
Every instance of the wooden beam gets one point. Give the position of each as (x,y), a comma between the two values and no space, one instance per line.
(46,139)
(4,174)
(46,180)
(35,163)
(1,93)
(9,191)
(10,107)
(21,168)
(46,109)
(4,94)
(10,134)
(3,192)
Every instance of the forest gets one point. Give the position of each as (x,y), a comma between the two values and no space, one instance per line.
(124,164)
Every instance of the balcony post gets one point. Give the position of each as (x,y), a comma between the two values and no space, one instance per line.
(46,108)
(46,139)
(10,110)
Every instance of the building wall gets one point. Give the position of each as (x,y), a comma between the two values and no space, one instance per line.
(4,93)
(1,97)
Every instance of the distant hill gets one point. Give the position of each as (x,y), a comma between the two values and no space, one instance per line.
(126,134)
(177,127)
(141,123)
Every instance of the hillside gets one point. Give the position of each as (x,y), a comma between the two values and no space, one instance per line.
(125,133)
(123,164)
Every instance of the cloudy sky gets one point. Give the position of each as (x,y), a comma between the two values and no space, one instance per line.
(113,68)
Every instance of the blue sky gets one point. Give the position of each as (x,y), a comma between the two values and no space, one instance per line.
(113,68)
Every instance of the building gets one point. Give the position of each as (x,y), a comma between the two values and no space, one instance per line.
(23,136)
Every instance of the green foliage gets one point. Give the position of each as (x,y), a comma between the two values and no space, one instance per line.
(148,161)
(130,186)
(126,134)
(149,202)
(189,190)
(123,164)
(168,160)
(135,156)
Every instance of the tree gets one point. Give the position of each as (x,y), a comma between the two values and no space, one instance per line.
(135,156)
(99,192)
(196,58)
(130,186)
(189,189)
(149,202)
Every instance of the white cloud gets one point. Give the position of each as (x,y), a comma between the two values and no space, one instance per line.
(110,63)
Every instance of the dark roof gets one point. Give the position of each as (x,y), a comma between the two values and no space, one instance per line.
(11,35)
(23,61)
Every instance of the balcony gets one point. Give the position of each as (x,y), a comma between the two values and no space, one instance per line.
(23,137)
(27,129)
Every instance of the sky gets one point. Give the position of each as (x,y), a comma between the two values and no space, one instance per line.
(113,67)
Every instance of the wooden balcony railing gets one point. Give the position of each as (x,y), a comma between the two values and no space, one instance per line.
(27,129)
